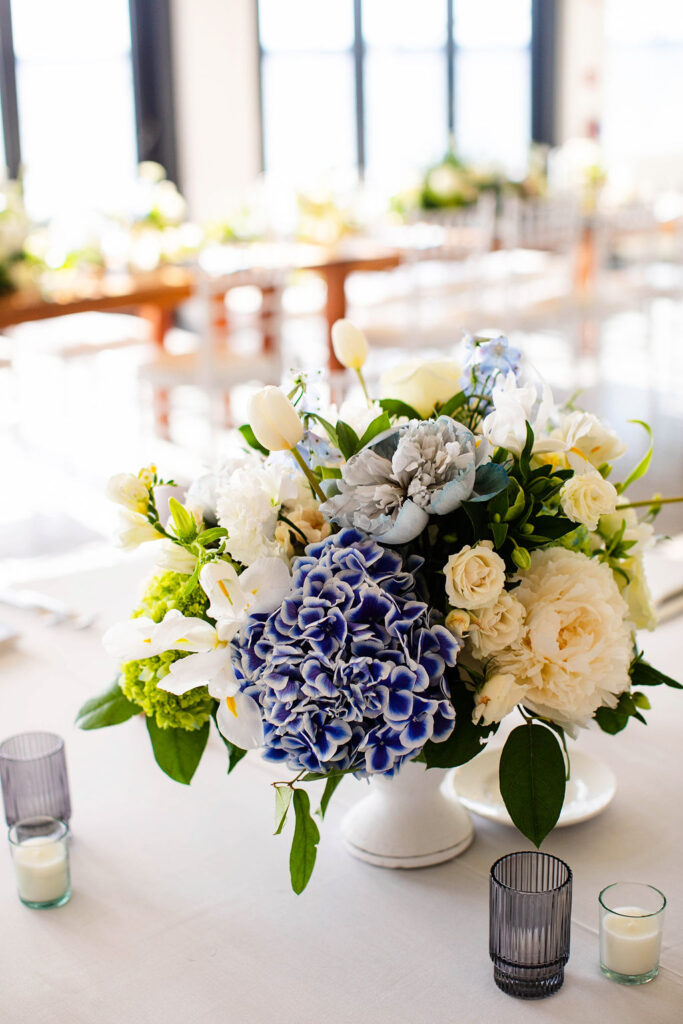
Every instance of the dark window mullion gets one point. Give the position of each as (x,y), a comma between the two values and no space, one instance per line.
(544,21)
(359,77)
(8,92)
(150,30)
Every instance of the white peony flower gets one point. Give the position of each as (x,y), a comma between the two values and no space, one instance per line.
(475,576)
(500,695)
(422,383)
(513,407)
(575,647)
(495,626)
(585,497)
(585,433)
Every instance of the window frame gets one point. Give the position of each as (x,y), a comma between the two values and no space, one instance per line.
(543,65)
(152,67)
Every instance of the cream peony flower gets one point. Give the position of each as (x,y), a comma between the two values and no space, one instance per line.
(495,626)
(309,522)
(587,496)
(575,647)
(585,433)
(475,576)
(500,695)
(422,383)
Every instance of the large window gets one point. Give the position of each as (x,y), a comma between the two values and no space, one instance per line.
(77,99)
(381,85)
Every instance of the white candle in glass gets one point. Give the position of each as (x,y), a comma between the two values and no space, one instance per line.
(630,940)
(41,869)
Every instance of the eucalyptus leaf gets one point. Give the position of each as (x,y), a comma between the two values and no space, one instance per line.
(283,798)
(304,842)
(532,780)
(110,708)
(178,751)
(489,481)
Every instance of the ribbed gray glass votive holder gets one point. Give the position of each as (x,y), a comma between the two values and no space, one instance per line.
(34,777)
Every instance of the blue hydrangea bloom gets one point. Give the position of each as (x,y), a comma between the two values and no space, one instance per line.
(348,672)
(487,359)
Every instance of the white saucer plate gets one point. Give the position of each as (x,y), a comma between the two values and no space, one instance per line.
(589,791)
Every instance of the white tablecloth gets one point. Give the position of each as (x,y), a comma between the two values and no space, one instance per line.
(182,911)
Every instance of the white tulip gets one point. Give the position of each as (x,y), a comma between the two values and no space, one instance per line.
(274,420)
(350,344)
(422,383)
(128,490)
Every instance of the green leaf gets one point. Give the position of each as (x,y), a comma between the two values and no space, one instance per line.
(304,842)
(644,464)
(611,720)
(489,481)
(454,403)
(499,532)
(283,798)
(643,674)
(235,754)
(525,457)
(378,426)
(330,786)
(516,501)
(111,708)
(348,439)
(185,525)
(467,739)
(396,408)
(553,526)
(250,437)
(212,534)
(178,751)
(532,780)
(326,425)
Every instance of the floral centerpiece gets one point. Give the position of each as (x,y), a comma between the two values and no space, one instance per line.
(17,266)
(352,594)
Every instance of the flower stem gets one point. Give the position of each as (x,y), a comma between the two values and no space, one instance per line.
(361,378)
(649,503)
(310,476)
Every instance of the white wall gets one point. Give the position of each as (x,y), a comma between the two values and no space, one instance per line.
(580,54)
(216,95)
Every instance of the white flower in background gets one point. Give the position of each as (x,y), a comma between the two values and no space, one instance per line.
(358,415)
(500,695)
(134,529)
(233,597)
(575,647)
(584,433)
(640,533)
(636,592)
(274,420)
(448,182)
(350,344)
(174,558)
(514,406)
(422,383)
(475,576)
(207,664)
(458,622)
(585,497)
(495,626)
(128,490)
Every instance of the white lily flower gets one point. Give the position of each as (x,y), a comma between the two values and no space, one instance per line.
(514,406)
(142,637)
(260,588)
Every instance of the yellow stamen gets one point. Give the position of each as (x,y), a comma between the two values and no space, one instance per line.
(147,640)
(230,701)
(222,587)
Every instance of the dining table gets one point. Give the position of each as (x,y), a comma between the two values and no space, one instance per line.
(182,911)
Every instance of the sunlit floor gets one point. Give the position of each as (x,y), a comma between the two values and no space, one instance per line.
(64,428)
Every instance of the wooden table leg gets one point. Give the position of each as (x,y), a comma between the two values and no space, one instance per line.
(335,307)
(270,310)
(160,321)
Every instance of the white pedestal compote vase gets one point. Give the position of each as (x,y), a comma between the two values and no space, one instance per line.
(410,820)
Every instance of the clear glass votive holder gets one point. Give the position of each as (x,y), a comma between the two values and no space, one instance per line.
(631,923)
(34,777)
(40,855)
(530,920)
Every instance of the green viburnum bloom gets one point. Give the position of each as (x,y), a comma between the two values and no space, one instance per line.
(139,678)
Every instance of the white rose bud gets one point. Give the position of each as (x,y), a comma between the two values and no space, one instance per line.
(274,420)
(587,496)
(496,626)
(350,344)
(497,698)
(128,490)
(475,576)
(134,529)
(422,383)
(458,622)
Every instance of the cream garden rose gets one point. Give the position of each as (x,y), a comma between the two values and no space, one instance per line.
(495,626)
(499,695)
(585,497)
(575,647)
(475,576)
(458,622)
(422,383)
